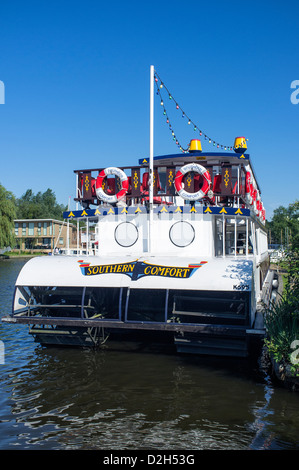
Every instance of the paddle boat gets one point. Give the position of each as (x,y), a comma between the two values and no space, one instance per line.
(179,256)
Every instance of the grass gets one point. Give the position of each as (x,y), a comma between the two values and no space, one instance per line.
(12,254)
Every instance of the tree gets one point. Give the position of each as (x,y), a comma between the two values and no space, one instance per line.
(284,226)
(39,206)
(7,216)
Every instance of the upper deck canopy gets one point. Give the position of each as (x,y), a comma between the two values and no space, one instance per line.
(227,173)
(210,157)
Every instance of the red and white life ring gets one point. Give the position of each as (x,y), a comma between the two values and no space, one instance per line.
(124,185)
(257,204)
(263,215)
(248,187)
(197,169)
(252,194)
(258,207)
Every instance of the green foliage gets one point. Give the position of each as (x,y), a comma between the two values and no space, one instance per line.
(282,316)
(30,253)
(282,323)
(7,216)
(39,206)
(284,226)
(29,206)
(292,283)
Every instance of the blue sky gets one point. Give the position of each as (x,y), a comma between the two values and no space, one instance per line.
(76,78)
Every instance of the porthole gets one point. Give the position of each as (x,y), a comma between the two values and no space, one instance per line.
(182,234)
(126,234)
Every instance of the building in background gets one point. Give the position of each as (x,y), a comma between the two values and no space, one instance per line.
(44,234)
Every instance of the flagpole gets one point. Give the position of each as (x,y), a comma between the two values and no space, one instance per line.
(151,159)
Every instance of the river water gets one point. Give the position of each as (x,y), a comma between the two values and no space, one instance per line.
(81,399)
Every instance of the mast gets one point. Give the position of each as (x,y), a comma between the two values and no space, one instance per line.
(151,159)
(68,231)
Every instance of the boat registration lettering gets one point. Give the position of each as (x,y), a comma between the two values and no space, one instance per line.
(241,287)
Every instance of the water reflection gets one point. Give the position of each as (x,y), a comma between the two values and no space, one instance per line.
(85,399)
(107,400)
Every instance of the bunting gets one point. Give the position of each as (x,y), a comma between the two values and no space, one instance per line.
(161,87)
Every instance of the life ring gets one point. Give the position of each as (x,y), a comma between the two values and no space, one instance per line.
(260,209)
(248,187)
(263,214)
(99,183)
(179,179)
(258,206)
(257,203)
(252,194)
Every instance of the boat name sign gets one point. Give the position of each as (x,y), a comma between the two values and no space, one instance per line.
(137,269)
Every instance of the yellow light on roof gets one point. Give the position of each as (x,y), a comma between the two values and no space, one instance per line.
(195,145)
(240,145)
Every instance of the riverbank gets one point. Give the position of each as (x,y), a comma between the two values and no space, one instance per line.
(15,255)
(282,370)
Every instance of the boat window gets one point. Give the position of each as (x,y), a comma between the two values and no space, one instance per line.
(147,305)
(230,227)
(258,252)
(126,234)
(232,236)
(186,306)
(218,236)
(235,236)
(250,241)
(102,302)
(182,234)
